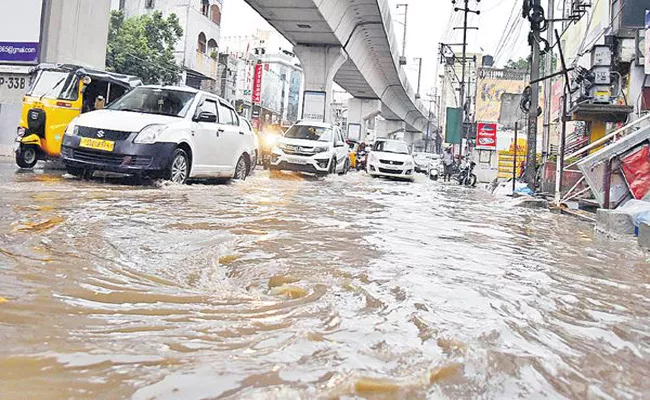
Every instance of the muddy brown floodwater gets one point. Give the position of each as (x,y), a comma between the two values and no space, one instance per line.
(284,287)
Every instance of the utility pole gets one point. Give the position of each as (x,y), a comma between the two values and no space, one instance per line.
(531,157)
(466,12)
(417,94)
(548,66)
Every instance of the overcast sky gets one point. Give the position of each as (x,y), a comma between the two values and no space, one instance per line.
(429,23)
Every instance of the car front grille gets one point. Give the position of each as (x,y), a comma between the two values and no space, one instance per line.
(298,150)
(389,171)
(97,157)
(390,162)
(106,134)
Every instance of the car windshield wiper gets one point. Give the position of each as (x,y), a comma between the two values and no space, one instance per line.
(138,110)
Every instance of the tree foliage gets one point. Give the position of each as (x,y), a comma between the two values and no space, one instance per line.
(144,46)
(520,64)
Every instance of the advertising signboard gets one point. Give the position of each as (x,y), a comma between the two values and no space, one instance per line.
(313,106)
(257,84)
(20,31)
(354,132)
(486,136)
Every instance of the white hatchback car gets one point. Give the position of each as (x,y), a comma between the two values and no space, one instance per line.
(391,158)
(174,133)
(313,147)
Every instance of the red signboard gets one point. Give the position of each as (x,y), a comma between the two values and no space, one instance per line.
(486,135)
(257,84)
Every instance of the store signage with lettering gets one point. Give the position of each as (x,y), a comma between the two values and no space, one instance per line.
(257,84)
(20,32)
(486,135)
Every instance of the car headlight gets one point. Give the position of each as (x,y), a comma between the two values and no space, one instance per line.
(269,139)
(149,134)
(72,129)
(321,149)
(409,163)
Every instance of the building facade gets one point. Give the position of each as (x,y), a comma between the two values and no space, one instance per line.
(268,78)
(198,50)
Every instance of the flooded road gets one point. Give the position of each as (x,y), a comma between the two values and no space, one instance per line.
(285,287)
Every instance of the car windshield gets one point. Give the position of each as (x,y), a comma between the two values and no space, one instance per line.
(174,103)
(422,156)
(55,85)
(392,147)
(308,132)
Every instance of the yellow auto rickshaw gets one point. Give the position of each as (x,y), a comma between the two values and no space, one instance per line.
(58,94)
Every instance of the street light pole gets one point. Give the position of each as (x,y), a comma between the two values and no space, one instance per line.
(406,11)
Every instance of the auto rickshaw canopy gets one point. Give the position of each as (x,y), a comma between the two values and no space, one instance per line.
(129,81)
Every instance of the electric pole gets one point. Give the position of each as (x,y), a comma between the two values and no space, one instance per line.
(466,11)
(548,84)
(533,112)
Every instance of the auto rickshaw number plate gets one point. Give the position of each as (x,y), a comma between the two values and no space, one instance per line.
(97,144)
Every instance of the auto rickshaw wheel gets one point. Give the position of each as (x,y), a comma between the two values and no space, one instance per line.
(26,156)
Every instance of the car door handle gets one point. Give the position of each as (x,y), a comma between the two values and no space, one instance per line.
(219,132)
(241,133)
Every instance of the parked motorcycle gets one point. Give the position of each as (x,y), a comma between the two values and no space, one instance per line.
(465,175)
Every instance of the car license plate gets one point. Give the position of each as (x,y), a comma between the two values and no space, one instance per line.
(97,144)
(296,160)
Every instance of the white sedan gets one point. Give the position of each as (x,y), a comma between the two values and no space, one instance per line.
(164,132)
(392,159)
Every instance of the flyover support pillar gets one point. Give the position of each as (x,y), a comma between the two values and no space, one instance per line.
(390,129)
(359,112)
(319,64)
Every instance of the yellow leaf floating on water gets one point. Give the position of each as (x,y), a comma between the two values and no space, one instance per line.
(40,226)
(280,280)
(372,385)
(292,292)
(225,260)
(3,300)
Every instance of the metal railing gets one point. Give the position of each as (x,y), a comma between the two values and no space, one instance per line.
(580,154)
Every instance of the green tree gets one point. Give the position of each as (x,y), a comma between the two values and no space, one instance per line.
(521,64)
(144,46)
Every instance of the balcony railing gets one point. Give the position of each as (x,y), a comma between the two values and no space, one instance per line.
(203,64)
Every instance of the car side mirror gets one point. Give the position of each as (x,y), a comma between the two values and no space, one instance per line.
(206,116)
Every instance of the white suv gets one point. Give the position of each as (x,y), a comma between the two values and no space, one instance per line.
(174,133)
(312,147)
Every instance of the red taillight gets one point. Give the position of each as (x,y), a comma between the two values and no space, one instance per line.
(63,104)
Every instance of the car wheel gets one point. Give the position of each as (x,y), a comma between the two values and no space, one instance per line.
(346,167)
(241,169)
(179,168)
(26,156)
(332,169)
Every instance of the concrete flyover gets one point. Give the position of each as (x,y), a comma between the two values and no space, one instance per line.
(353,43)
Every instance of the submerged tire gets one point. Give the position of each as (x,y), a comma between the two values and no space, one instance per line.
(346,167)
(26,156)
(241,169)
(179,167)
